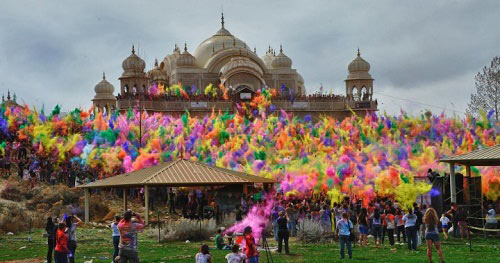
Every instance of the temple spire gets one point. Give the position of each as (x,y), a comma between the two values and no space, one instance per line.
(156,62)
(103,75)
(133,49)
(281,48)
(222,19)
(185,47)
(359,54)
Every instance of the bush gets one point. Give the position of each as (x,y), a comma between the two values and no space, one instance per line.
(53,194)
(15,190)
(12,192)
(311,231)
(15,219)
(187,229)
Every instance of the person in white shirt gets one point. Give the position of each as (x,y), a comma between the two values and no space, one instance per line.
(444,225)
(491,220)
(116,236)
(344,227)
(204,255)
(411,229)
(236,257)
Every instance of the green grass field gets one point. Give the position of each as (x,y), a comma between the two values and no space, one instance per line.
(96,245)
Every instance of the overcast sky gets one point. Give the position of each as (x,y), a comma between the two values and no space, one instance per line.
(54,52)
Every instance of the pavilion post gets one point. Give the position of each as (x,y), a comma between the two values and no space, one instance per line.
(469,177)
(125,196)
(453,186)
(245,189)
(86,193)
(146,204)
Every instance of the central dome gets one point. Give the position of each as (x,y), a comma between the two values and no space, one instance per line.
(223,39)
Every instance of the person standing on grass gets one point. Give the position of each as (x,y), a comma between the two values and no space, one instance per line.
(377,227)
(431,233)
(283,233)
(453,214)
(418,225)
(462,222)
(410,220)
(116,236)
(128,237)
(291,214)
(71,229)
(51,230)
(400,231)
(444,225)
(236,257)
(390,225)
(491,219)
(363,227)
(61,250)
(204,255)
(345,227)
(250,248)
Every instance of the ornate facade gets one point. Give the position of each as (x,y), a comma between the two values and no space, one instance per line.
(225,60)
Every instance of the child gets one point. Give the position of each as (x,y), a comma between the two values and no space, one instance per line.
(235,257)
(444,224)
(204,255)
(250,248)
(115,235)
(219,241)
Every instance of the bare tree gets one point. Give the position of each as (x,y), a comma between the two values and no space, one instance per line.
(487,96)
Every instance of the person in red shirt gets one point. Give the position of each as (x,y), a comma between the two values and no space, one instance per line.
(128,237)
(61,251)
(250,248)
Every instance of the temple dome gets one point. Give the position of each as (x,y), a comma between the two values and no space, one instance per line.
(300,79)
(157,73)
(185,59)
(359,68)
(104,89)
(268,58)
(281,60)
(133,63)
(223,39)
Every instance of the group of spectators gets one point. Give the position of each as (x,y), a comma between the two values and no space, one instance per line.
(171,97)
(18,158)
(197,96)
(351,222)
(61,238)
(310,97)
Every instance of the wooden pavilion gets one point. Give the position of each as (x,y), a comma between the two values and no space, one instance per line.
(489,156)
(178,173)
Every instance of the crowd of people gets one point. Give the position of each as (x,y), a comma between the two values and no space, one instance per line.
(219,96)
(19,158)
(348,221)
(352,223)
(61,238)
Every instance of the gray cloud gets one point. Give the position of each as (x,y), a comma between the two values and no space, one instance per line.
(54,52)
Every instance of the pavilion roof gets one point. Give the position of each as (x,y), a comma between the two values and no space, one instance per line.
(489,156)
(178,173)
